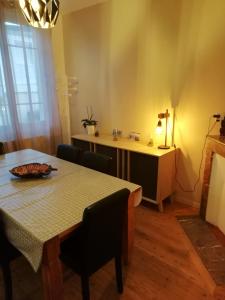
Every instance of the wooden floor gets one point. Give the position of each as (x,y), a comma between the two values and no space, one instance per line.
(164,266)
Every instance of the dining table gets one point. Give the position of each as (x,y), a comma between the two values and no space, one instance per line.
(39,213)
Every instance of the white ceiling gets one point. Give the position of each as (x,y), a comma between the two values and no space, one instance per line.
(67,6)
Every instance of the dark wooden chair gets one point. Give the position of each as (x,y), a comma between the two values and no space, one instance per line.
(98,240)
(97,161)
(2,150)
(69,153)
(7,254)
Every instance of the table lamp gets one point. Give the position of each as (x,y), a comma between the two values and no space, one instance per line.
(159,128)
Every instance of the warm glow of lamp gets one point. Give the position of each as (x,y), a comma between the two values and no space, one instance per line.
(40,13)
(159,128)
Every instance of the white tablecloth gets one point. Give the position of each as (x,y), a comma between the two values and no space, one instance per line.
(36,210)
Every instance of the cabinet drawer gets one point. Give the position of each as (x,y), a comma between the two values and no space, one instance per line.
(144,171)
(85,146)
(112,152)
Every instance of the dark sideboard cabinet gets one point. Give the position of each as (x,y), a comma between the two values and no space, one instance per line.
(150,167)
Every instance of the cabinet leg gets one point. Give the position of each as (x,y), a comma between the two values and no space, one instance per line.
(160,205)
(171,199)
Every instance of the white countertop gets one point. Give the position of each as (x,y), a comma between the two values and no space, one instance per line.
(123,143)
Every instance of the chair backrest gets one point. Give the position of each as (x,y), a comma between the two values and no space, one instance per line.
(102,230)
(97,161)
(2,150)
(69,153)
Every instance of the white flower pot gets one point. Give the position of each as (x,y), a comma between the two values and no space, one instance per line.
(90,129)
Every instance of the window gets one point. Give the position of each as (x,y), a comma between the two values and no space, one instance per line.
(28,104)
(29,115)
(23,92)
(24,62)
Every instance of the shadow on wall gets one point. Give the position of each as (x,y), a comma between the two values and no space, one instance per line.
(184,66)
(187,181)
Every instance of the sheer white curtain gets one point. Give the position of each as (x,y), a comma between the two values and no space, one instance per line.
(28,104)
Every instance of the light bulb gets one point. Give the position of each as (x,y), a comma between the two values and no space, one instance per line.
(159,127)
(159,130)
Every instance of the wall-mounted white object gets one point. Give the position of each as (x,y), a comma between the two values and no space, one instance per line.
(215,211)
(73,84)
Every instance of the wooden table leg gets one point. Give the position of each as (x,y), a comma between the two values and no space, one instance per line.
(52,271)
(129,230)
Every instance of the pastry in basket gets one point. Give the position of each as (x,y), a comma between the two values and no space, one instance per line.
(32,170)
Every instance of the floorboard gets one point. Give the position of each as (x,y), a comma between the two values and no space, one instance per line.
(164,266)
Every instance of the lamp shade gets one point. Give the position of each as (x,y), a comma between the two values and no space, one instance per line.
(40,13)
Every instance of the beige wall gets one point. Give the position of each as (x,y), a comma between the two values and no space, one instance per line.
(135,58)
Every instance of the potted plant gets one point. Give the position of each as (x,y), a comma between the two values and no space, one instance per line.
(89,123)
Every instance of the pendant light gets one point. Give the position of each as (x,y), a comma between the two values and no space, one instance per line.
(40,13)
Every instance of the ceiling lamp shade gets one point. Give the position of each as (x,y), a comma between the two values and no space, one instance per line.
(40,13)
